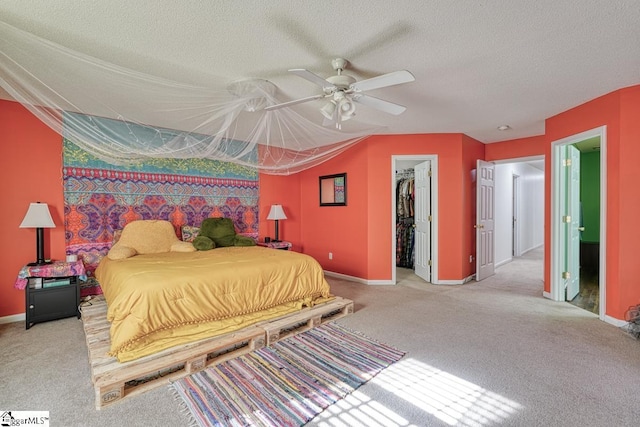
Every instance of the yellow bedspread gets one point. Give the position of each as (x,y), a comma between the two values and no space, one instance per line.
(161,300)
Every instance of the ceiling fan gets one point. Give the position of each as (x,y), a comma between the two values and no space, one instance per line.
(343,91)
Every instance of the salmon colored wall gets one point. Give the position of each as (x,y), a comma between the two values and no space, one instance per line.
(455,214)
(629,197)
(601,111)
(341,230)
(285,191)
(516,148)
(359,235)
(31,156)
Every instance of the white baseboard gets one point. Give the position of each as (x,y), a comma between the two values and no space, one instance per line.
(13,318)
(357,279)
(547,295)
(455,282)
(378,282)
(389,282)
(531,249)
(615,322)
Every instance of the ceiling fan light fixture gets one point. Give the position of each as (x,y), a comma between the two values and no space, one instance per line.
(344,91)
(347,109)
(329,109)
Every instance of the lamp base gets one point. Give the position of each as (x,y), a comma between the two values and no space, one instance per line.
(37,263)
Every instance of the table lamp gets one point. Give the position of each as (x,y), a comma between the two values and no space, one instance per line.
(276,213)
(38,217)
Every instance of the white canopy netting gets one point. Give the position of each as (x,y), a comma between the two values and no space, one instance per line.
(123,116)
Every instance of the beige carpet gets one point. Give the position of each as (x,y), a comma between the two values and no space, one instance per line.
(489,353)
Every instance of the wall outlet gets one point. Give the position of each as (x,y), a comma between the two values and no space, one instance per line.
(330,255)
(470,258)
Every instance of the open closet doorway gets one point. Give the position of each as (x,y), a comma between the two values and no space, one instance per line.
(414,219)
(578,220)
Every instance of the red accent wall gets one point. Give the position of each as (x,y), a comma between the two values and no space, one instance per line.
(601,111)
(31,158)
(341,230)
(516,148)
(619,111)
(285,191)
(628,198)
(359,235)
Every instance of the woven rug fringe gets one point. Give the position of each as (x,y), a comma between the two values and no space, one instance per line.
(184,409)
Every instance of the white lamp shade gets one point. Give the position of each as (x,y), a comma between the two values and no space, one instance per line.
(347,109)
(38,216)
(276,212)
(329,110)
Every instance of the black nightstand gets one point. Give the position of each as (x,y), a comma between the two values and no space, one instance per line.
(52,291)
(51,298)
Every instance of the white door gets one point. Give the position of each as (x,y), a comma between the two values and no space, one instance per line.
(485,219)
(422,220)
(515,226)
(572,224)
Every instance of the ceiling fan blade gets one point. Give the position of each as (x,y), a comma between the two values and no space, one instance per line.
(294,102)
(390,79)
(380,104)
(313,78)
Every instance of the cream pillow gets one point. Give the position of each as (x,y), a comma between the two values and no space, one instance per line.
(121,252)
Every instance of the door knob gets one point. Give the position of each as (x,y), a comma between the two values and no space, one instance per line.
(478,226)
(580,228)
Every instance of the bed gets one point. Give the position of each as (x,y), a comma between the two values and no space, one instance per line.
(156,301)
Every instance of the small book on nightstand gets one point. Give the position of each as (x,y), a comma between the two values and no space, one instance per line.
(50,283)
(35,282)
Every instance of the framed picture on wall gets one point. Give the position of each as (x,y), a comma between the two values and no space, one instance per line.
(333,190)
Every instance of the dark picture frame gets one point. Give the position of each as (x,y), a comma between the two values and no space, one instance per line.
(333,190)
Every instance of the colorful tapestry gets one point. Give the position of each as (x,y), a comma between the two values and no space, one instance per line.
(101,198)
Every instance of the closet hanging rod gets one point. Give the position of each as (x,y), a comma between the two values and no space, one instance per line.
(405,172)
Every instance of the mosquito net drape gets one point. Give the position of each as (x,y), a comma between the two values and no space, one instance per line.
(122,116)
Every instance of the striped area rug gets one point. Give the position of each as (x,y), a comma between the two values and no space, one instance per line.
(288,383)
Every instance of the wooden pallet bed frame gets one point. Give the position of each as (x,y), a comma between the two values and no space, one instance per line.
(114,381)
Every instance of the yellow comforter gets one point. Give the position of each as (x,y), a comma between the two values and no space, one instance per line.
(161,300)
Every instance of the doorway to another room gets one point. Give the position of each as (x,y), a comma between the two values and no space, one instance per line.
(519,211)
(578,220)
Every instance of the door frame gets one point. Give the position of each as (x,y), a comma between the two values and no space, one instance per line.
(433,158)
(556,282)
(525,160)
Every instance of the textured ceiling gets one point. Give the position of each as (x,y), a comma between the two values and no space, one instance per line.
(478,64)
